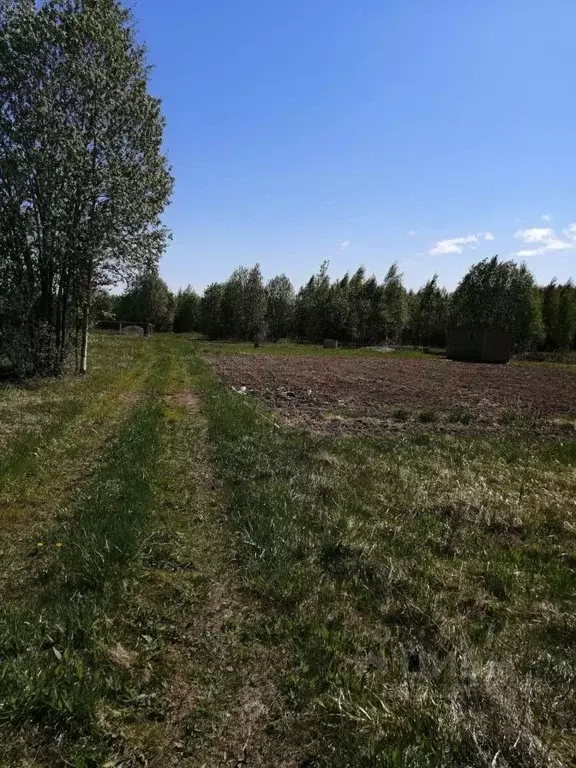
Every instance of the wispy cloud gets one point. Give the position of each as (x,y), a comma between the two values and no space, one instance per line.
(454,245)
(546,240)
(546,217)
(410,233)
(460,244)
(535,234)
(345,244)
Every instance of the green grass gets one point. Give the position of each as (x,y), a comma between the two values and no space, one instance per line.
(299,350)
(424,588)
(55,675)
(188,583)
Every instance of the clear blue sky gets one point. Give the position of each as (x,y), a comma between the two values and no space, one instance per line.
(431,132)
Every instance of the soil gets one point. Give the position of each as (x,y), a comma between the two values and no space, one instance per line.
(383,395)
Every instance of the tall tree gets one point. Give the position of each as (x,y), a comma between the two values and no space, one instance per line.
(429,317)
(279,307)
(503,296)
(233,307)
(304,311)
(148,300)
(566,333)
(375,318)
(211,320)
(559,314)
(83,181)
(395,304)
(254,305)
(187,311)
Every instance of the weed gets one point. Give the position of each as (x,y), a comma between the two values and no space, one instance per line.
(461,416)
(400,414)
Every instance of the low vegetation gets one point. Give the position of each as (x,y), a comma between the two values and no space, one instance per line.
(424,588)
(195,582)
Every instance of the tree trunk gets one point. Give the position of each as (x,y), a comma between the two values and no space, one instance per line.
(84,342)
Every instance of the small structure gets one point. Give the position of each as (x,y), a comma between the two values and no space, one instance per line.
(330,344)
(122,326)
(482,345)
(134,330)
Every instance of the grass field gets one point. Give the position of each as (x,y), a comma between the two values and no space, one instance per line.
(292,349)
(189,580)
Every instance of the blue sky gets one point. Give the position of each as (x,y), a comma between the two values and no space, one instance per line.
(431,132)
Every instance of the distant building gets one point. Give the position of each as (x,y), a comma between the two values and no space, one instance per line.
(120,326)
(482,345)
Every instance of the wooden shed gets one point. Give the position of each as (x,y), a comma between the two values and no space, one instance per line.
(482,345)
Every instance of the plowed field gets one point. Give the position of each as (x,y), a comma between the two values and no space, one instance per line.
(376,394)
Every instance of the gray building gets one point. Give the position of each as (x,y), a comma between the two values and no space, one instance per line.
(482,345)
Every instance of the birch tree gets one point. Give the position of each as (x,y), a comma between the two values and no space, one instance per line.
(83,181)
(280,307)
(503,296)
(395,304)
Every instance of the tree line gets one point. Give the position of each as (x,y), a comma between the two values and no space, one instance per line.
(84,182)
(360,310)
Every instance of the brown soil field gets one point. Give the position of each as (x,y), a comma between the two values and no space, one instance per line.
(383,395)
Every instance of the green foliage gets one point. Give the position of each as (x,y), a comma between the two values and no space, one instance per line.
(360,311)
(187,311)
(395,304)
(237,308)
(279,307)
(104,305)
(84,178)
(211,323)
(149,300)
(255,302)
(429,314)
(353,310)
(559,313)
(503,296)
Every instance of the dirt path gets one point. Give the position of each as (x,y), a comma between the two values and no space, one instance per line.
(209,698)
(188,681)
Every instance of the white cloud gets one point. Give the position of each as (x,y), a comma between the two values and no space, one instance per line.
(546,240)
(535,234)
(410,233)
(344,245)
(488,236)
(546,217)
(453,245)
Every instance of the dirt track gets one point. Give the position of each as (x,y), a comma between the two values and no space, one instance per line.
(365,392)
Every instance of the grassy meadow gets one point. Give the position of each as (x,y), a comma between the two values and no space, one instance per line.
(188,581)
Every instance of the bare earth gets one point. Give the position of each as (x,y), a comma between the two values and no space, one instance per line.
(368,395)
